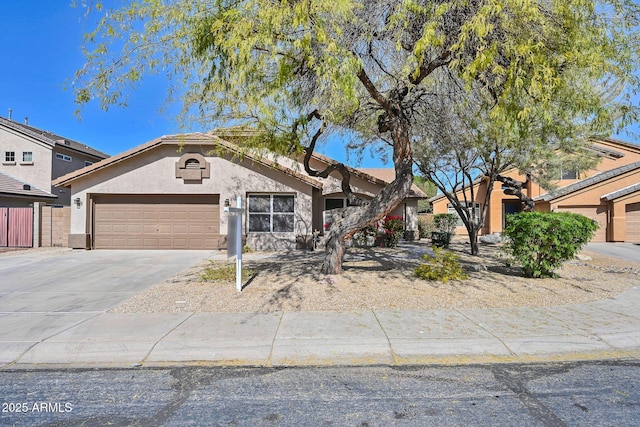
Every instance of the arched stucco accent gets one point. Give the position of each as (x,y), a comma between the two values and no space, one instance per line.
(192,167)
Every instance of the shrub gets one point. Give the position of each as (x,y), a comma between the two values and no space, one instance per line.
(426,225)
(393,229)
(445,226)
(445,223)
(541,241)
(442,266)
(366,236)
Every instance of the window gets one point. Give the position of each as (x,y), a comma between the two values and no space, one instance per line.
(63,157)
(10,156)
(27,157)
(87,163)
(474,207)
(333,204)
(271,213)
(570,173)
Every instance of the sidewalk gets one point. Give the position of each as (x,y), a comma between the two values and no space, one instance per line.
(603,329)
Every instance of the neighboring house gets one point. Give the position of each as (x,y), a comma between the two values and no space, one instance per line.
(170,193)
(32,159)
(608,193)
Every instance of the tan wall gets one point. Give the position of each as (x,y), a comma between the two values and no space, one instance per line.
(591,196)
(618,225)
(55,223)
(37,174)
(493,221)
(61,167)
(154,173)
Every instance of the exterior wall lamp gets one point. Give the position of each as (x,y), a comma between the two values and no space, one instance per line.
(77,202)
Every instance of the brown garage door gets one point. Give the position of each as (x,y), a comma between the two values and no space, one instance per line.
(632,212)
(599,213)
(156,222)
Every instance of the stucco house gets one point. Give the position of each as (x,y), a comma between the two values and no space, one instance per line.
(608,193)
(170,193)
(34,212)
(32,158)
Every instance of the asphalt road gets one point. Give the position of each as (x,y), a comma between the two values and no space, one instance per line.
(553,394)
(68,281)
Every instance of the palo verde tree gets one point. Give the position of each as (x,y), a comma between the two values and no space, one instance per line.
(297,70)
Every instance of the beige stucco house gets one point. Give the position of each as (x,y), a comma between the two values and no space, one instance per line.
(608,193)
(32,158)
(170,193)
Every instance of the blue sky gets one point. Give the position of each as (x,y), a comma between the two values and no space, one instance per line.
(40,49)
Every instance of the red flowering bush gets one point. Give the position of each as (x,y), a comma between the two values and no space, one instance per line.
(393,228)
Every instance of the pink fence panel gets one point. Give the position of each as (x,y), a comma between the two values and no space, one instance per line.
(4,227)
(18,223)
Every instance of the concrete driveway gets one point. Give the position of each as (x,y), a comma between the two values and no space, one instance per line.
(44,293)
(67,281)
(628,251)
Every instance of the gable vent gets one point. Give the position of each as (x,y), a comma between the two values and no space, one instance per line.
(192,164)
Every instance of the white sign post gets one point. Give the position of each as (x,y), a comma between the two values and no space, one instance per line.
(234,239)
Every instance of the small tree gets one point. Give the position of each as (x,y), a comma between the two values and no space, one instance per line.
(542,241)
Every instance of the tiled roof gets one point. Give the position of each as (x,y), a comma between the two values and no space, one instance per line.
(185,139)
(587,182)
(14,187)
(51,139)
(622,192)
(388,175)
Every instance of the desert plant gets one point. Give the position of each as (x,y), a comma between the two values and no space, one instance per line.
(541,241)
(442,266)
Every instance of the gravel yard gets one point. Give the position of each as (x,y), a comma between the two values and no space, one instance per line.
(382,278)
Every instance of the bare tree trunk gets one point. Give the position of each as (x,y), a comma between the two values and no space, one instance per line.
(515,188)
(355,218)
(473,241)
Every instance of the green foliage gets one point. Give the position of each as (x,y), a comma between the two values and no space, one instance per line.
(444,229)
(366,236)
(442,266)
(430,189)
(446,223)
(393,229)
(223,272)
(426,225)
(542,241)
(271,63)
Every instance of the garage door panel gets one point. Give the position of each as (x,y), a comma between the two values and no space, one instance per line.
(158,222)
(632,213)
(597,213)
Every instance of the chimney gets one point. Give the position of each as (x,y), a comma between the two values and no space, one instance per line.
(26,121)
(10,113)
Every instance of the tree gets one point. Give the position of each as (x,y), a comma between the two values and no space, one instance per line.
(297,70)
(429,188)
(465,152)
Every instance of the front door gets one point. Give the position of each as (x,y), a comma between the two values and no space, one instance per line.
(509,207)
